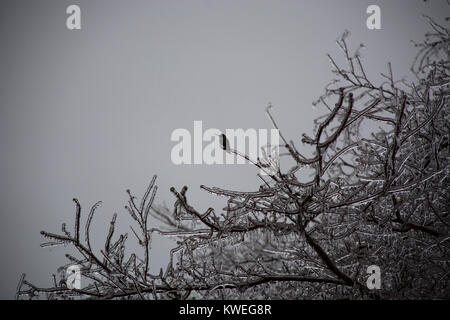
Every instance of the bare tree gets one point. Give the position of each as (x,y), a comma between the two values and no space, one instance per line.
(375,197)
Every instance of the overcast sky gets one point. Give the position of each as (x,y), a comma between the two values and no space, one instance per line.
(89,113)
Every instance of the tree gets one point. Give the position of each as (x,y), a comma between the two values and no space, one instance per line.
(375,198)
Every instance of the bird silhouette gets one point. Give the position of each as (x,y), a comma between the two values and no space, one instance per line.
(224,144)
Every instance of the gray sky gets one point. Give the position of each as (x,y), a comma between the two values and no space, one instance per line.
(89,113)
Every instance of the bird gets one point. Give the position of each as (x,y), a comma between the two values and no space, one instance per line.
(224,144)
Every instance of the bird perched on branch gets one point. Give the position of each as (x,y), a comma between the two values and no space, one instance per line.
(224,144)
